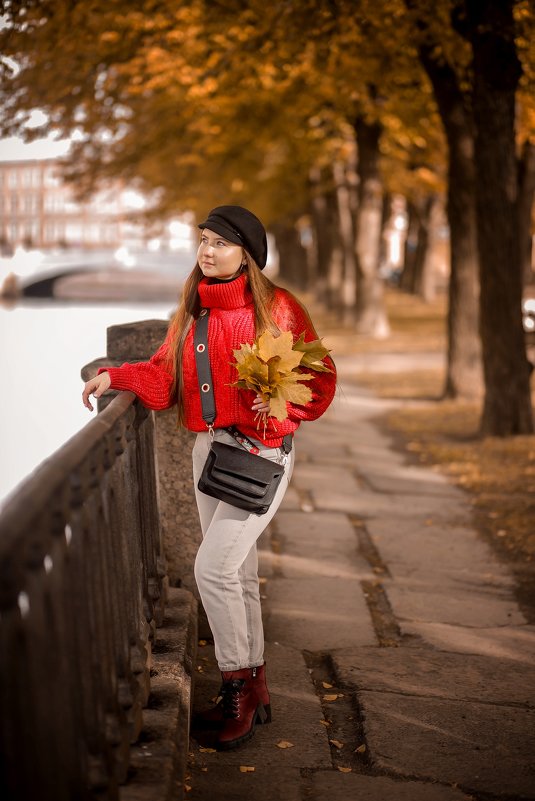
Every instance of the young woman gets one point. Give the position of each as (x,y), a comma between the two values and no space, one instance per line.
(243,303)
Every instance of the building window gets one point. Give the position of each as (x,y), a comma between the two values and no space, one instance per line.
(12,179)
(74,232)
(14,203)
(51,177)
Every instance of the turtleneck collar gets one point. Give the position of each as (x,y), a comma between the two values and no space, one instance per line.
(225,295)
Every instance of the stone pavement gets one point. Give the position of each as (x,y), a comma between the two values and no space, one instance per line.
(399,663)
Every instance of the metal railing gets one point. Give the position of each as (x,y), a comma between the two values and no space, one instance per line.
(82,587)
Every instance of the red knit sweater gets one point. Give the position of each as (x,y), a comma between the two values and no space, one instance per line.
(231,323)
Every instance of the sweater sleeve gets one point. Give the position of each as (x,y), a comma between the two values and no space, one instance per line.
(323,385)
(151,381)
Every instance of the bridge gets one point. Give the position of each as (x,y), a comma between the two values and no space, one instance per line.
(98,275)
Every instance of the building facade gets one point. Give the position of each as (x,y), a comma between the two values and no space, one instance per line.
(38,210)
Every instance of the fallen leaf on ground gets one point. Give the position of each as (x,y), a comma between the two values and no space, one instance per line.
(337,743)
(327,685)
(284,744)
(325,722)
(207,750)
(202,643)
(204,770)
(331,697)
(187,788)
(344,770)
(247,769)
(361,749)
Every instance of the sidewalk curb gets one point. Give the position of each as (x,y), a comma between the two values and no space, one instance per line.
(159,757)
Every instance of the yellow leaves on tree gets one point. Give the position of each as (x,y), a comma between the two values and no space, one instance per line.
(271,367)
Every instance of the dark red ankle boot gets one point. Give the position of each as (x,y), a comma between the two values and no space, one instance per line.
(241,708)
(213,718)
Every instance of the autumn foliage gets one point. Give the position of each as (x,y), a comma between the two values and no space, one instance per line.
(319,116)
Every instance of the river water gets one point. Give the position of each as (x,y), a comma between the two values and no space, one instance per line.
(43,346)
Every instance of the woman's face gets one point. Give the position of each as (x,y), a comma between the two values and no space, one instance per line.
(217,257)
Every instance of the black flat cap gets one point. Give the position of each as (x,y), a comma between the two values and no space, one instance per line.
(241,227)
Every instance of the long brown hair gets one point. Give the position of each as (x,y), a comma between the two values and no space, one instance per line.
(263,292)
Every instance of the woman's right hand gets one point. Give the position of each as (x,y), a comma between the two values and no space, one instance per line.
(95,386)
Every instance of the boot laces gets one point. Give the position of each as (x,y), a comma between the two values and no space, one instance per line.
(230,693)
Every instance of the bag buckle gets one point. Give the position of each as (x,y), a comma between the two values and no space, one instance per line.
(211,432)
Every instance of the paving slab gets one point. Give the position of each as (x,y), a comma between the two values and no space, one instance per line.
(429,673)
(335,786)
(366,503)
(506,642)
(423,545)
(296,712)
(317,614)
(291,499)
(313,474)
(479,747)
(411,481)
(376,457)
(318,544)
(260,782)
(465,608)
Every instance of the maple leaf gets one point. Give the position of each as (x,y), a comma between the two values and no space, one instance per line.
(270,347)
(313,354)
(270,366)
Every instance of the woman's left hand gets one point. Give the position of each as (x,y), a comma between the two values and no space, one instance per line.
(260,406)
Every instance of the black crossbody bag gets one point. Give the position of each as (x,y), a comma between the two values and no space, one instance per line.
(231,473)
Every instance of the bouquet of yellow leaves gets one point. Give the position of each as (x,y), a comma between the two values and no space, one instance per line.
(271,367)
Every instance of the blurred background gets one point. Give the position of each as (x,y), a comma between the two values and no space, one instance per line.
(389,148)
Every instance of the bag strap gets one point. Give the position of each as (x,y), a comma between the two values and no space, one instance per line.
(204,377)
(204,371)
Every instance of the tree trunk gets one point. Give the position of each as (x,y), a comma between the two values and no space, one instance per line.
(420,220)
(292,255)
(336,257)
(371,310)
(347,239)
(433,258)
(464,377)
(407,280)
(507,406)
(526,192)
(323,241)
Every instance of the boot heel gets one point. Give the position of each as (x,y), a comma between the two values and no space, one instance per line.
(267,710)
(261,714)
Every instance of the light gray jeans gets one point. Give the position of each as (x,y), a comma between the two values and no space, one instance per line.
(226,567)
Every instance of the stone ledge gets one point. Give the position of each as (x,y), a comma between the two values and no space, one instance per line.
(158,758)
